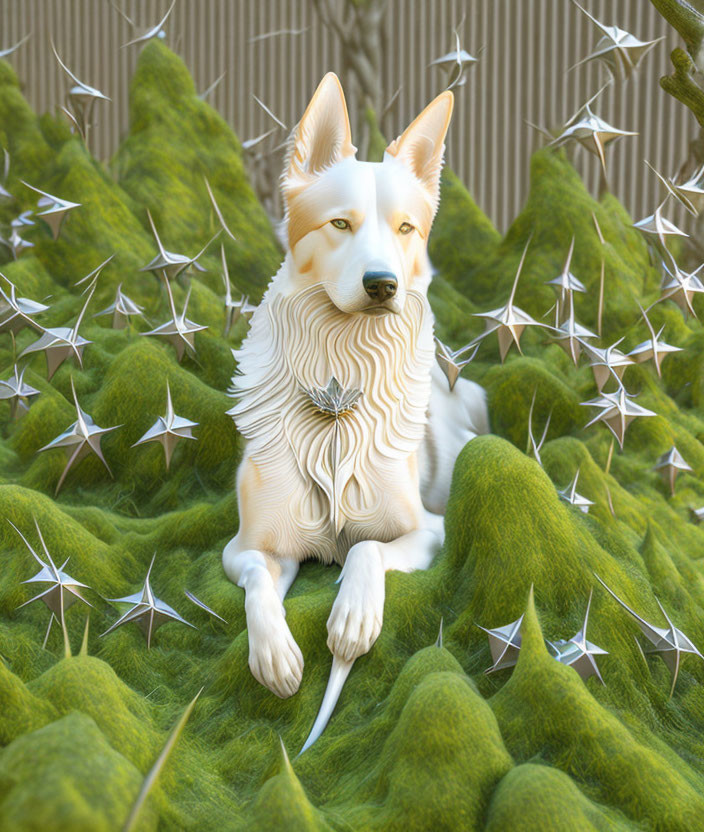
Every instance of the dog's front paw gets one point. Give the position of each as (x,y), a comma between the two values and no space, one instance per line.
(357,614)
(274,657)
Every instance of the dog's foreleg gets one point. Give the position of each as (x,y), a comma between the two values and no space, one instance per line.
(274,657)
(356,617)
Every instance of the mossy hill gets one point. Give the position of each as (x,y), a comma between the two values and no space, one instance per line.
(422,739)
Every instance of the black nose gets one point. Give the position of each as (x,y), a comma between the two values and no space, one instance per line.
(380,286)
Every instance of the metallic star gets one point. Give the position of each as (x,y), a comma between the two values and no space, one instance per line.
(659,226)
(536,447)
(571,335)
(122,309)
(618,410)
(16,313)
(63,590)
(579,653)
(179,331)
(17,392)
(15,242)
(60,342)
(669,643)
(681,287)
(5,53)
(233,308)
(169,263)
(55,208)
(508,321)
(455,64)
(618,49)
(168,429)
(606,364)
(505,645)
(82,437)
(449,360)
(218,212)
(81,98)
(566,283)
(570,495)
(653,348)
(150,32)
(199,603)
(148,611)
(689,193)
(591,131)
(669,465)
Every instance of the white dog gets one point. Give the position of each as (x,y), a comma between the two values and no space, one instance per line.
(352,431)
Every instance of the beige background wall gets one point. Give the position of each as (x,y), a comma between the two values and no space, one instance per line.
(527,47)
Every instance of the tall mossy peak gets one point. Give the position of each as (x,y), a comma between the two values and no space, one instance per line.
(422,737)
(176,141)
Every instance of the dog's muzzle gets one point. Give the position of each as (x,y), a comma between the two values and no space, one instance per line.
(380,286)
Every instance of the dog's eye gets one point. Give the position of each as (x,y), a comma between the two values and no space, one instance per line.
(343,225)
(405,228)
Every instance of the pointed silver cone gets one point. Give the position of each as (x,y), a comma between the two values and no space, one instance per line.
(218,212)
(579,653)
(179,330)
(618,50)
(508,322)
(122,309)
(659,226)
(5,53)
(607,364)
(570,495)
(61,342)
(16,313)
(566,283)
(689,193)
(146,610)
(536,447)
(571,336)
(168,430)
(450,362)
(17,392)
(438,640)
(618,410)
(234,309)
(79,439)
(681,287)
(199,603)
(653,349)
(16,243)
(669,465)
(505,644)
(54,209)
(151,32)
(668,643)
(203,96)
(63,590)
(168,263)
(80,88)
(455,64)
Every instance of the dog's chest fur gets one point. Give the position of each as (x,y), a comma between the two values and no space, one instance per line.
(299,342)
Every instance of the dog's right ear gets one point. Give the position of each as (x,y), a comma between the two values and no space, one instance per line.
(321,138)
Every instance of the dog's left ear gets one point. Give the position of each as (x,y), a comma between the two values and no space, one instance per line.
(422,144)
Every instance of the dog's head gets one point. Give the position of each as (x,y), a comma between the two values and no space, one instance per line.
(360,229)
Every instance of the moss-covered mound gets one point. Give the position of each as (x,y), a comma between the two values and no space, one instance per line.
(422,738)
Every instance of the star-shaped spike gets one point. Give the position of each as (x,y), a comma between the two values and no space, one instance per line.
(218,212)
(250,144)
(5,53)
(508,321)
(17,392)
(169,263)
(210,89)
(16,313)
(450,362)
(233,308)
(505,644)
(570,495)
(81,99)
(669,643)
(179,331)
(54,208)
(606,364)
(63,590)
(536,447)
(669,465)
(82,437)
(438,640)
(455,64)
(168,429)
(148,611)
(653,349)
(122,309)
(659,226)
(15,242)
(23,220)
(689,193)
(199,603)
(618,410)
(681,287)
(697,515)
(61,342)
(619,50)
(579,653)
(571,335)
(591,131)
(336,401)
(152,31)
(566,283)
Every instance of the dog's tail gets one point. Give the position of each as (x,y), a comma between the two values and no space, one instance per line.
(339,672)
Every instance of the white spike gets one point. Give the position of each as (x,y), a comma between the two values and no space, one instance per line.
(339,672)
